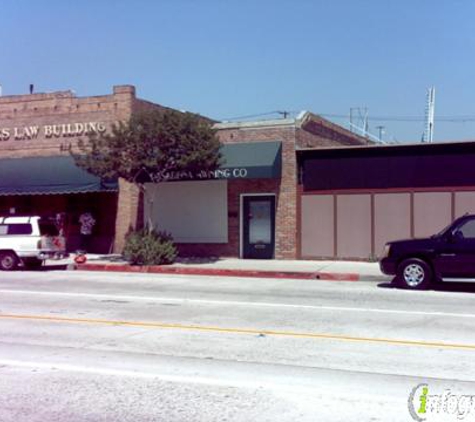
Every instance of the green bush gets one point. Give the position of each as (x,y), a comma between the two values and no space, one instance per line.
(145,247)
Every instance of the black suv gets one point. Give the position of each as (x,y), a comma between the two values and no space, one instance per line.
(446,256)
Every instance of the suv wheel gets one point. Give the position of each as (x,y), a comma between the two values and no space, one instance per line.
(414,274)
(8,261)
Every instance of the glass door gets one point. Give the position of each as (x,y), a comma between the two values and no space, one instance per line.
(258,227)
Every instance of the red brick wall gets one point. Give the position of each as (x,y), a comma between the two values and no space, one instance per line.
(142,105)
(57,108)
(128,208)
(317,132)
(285,188)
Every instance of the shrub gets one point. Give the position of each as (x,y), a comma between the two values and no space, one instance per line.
(145,247)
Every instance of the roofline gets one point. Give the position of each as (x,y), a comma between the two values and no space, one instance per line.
(390,146)
(37,96)
(263,124)
(298,122)
(312,117)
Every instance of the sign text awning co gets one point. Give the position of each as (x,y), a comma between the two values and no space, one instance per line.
(256,160)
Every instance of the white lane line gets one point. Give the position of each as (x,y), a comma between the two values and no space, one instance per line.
(170,300)
(106,371)
(127,373)
(248,382)
(182,379)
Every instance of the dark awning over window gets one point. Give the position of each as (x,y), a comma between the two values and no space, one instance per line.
(252,160)
(260,160)
(48,176)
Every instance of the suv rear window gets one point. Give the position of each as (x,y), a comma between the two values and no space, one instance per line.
(17,228)
(48,228)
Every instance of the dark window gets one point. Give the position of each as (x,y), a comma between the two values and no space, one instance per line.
(48,228)
(468,229)
(19,229)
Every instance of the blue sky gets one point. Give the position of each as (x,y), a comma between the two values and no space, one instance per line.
(232,58)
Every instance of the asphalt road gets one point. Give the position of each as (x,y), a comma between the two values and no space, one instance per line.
(123,347)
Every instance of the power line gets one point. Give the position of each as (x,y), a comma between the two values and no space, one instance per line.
(449,119)
(252,116)
(454,119)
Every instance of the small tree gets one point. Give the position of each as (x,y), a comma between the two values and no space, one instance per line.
(148,146)
(148,247)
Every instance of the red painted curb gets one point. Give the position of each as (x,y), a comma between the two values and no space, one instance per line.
(157,269)
(338,276)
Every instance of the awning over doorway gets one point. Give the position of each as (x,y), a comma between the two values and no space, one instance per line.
(48,176)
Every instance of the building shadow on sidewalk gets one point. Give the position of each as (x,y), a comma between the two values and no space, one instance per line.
(387,285)
(44,268)
(438,287)
(53,268)
(198,260)
(179,260)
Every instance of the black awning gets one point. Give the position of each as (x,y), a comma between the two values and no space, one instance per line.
(48,176)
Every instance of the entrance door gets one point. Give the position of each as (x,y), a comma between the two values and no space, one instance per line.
(258,227)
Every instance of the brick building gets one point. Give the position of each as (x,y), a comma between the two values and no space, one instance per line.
(253,211)
(37,175)
(249,208)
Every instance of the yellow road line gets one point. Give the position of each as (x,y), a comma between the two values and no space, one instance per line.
(319,336)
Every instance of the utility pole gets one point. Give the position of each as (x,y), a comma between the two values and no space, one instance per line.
(430,111)
(359,120)
(380,132)
(284,114)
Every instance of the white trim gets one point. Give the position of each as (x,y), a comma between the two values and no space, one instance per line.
(458,280)
(263,124)
(241,221)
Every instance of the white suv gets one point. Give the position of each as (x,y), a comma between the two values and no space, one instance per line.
(29,241)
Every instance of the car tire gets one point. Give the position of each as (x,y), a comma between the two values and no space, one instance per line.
(8,261)
(414,274)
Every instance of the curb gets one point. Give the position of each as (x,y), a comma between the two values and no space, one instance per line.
(156,269)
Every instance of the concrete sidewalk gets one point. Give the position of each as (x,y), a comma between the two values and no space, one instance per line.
(312,270)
